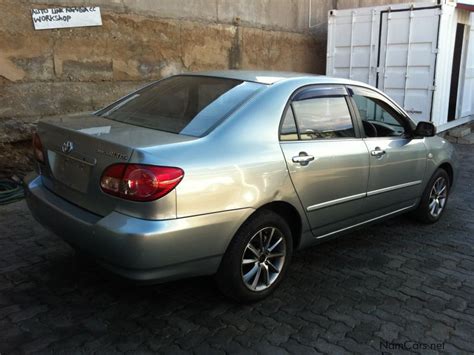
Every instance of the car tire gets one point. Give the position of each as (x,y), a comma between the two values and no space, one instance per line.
(83,259)
(434,199)
(257,258)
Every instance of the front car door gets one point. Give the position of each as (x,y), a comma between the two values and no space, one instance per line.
(327,159)
(397,160)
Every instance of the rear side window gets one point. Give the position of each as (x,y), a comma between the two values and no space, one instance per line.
(288,131)
(189,105)
(323,118)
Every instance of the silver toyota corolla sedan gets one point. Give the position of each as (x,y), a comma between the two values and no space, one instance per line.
(228,173)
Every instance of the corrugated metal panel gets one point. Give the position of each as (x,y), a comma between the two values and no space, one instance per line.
(352,41)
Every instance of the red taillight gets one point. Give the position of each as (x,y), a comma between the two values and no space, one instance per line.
(140,182)
(38,148)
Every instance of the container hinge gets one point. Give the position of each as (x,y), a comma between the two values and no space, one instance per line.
(378,69)
(435,51)
(433,87)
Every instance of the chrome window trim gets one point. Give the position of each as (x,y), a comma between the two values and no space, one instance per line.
(394,187)
(324,140)
(391,138)
(364,222)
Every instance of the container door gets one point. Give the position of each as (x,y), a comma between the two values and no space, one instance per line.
(467,103)
(407,58)
(352,40)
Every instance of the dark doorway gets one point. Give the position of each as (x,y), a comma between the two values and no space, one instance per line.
(453,92)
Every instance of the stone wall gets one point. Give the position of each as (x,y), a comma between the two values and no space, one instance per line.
(53,72)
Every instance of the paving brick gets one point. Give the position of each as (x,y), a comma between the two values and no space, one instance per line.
(330,348)
(294,347)
(460,343)
(469,139)
(27,313)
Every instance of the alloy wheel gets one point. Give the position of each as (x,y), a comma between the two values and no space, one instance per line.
(263,259)
(438,196)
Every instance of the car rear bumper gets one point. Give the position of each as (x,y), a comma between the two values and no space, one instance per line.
(138,249)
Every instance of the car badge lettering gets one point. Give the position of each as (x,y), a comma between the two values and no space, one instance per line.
(67,147)
(113,154)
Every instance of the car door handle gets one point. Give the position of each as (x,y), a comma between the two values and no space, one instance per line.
(303,158)
(377,152)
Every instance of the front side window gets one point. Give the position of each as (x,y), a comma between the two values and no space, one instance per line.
(378,118)
(183,104)
(323,118)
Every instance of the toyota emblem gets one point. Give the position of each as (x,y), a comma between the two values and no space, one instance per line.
(67,147)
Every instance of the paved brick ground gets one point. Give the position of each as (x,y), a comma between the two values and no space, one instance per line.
(393,282)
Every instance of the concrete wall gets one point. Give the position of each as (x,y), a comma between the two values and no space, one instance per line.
(53,72)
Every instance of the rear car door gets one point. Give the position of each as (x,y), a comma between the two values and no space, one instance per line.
(397,160)
(327,159)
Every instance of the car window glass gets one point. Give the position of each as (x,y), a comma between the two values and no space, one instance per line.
(378,118)
(288,130)
(323,118)
(210,114)
(189,105)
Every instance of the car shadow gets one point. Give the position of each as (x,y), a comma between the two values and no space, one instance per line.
(68,273)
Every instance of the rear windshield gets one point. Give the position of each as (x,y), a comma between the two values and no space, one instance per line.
(189,105)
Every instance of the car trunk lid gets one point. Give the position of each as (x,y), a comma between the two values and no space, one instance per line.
(79,148)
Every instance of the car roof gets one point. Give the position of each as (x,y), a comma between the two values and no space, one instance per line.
(258,76)
(271,77)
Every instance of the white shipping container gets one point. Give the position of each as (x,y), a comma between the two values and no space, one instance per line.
(420,54)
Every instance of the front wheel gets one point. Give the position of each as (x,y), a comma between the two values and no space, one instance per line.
(434,199)
(256,259)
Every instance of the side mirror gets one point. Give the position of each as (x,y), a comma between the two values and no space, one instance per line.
(425,129)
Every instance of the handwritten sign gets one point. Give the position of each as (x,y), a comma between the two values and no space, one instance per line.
(64,17)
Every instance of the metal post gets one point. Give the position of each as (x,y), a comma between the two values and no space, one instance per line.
(408,57)
(352,40)
(309,14)
(389,16)
(371,45)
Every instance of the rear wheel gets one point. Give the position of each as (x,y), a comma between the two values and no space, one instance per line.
(256,259)
(434,199)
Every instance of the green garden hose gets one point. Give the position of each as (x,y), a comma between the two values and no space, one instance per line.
(10,191)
